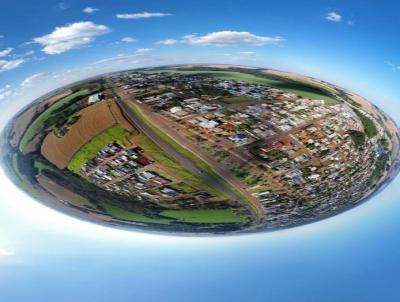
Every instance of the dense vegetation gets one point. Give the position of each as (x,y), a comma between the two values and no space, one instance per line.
(358,137)
(369,126)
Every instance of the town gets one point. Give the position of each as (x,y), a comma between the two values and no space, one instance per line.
(290,152)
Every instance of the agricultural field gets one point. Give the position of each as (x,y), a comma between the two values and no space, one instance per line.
(38,123)
(88,151)
(60,150)
(20,125)
(61,192)
(26,117)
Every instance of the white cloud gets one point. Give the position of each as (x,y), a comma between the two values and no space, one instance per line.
(393,66)
(120,59)
(70,36)
(62,5)
(5,92)
(5,253)
(247,53)
(90,10)
(29,53)
(143,50)
(5,52)
(141,15)
(168,42)
(228,37)
(29,81)
(8,65)
(334,17)
(128,40)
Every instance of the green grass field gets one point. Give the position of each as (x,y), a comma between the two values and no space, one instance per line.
(183,187)
(204,216)
(88,151)
(42,166)
(35,126)
(293,86)
(369,126)
(119,213)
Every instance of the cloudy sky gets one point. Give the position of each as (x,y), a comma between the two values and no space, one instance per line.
(45,256)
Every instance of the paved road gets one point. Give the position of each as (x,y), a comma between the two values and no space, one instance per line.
(214,181)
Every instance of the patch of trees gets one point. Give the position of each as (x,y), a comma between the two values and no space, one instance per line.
(212,91)
(98,195)
(26,167)
(358,137)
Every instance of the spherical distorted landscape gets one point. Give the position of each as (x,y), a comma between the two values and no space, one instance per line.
(201,149)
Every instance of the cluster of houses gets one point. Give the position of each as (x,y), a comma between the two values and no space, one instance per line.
(301,145)
(321,166)
(127,171)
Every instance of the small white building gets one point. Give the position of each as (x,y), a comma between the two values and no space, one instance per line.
(94,98)
(175,109)
(208,124)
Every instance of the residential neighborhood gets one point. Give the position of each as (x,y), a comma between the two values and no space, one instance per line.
(290,152)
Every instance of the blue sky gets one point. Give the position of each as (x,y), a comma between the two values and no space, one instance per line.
(46,256)
(345,42)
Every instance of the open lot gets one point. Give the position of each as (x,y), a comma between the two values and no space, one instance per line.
(88,151)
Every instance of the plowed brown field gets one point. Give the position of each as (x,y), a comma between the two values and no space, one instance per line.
(23,121)
(20,125)
(93,120)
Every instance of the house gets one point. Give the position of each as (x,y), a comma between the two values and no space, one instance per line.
(143,160)
(208,124)
(95,98)
(175,109)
